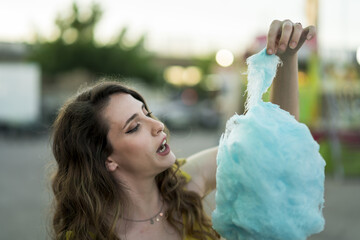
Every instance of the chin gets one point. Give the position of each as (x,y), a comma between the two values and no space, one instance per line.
(170,160)
(173,155)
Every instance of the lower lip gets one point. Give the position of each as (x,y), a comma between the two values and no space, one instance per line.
(166,152)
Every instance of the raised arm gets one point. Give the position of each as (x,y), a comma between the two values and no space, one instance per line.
(285,38)
(202,169)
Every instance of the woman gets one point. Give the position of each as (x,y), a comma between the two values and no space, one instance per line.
(117,177)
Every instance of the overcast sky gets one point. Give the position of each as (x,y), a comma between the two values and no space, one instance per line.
(187,26)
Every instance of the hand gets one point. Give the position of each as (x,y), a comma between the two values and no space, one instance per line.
(285,38)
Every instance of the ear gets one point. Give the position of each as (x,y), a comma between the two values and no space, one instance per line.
(111,165)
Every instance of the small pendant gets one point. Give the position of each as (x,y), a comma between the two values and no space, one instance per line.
(151,221)
(157,219)
(161,214)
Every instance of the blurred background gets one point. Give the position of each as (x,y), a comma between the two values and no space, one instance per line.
(187,58)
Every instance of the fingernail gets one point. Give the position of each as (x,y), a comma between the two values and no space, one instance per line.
(292,45)
(308,37)
(270,51)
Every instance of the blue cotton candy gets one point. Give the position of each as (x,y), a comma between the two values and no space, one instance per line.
(270,175)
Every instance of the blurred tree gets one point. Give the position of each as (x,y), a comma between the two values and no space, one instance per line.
(79,27)
(205,63)
(75,47)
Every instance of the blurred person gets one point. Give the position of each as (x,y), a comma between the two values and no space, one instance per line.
(116,175)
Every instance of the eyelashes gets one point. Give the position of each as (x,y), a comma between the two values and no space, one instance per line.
(134,129)
(138,125)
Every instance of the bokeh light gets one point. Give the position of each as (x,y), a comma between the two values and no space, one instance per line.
(180,76)
(192,76)
(173,75)
(224,58)
(189,96)
(70,35)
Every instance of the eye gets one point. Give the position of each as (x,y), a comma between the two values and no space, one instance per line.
(134,129)
(149,114)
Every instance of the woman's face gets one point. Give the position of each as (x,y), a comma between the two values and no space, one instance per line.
(136,138)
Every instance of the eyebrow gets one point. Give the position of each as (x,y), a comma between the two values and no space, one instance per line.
(132,117)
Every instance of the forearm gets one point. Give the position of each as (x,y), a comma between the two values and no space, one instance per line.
(285,89)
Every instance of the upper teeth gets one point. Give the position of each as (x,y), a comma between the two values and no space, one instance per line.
(163,146)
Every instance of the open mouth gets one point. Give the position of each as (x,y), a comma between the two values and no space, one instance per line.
(162,147)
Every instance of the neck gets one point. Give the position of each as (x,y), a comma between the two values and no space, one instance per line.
(144,198)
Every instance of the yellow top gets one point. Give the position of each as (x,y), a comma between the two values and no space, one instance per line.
(184,174)
(181,162)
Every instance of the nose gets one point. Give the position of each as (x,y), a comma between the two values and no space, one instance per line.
(157,127)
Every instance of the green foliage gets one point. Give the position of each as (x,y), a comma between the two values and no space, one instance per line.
(350,156)
(79,25)
(205,63)
(75,47)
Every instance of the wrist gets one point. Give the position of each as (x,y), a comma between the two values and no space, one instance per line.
(288,57)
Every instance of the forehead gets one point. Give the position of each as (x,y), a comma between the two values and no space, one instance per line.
(121,107)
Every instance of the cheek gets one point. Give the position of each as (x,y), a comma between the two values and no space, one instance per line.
(134,147)
(137,145)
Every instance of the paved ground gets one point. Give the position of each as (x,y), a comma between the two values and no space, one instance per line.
(24,188)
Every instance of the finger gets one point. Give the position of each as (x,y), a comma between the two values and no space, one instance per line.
(311,32)
(273,33)
(295,38)
(287,29)
(307,34)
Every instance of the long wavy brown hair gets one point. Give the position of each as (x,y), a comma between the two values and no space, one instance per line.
(85,192)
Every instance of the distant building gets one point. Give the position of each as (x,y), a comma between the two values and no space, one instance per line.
(13,52)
